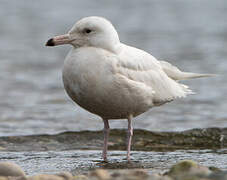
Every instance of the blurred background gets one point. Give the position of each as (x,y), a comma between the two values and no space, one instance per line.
(189,34)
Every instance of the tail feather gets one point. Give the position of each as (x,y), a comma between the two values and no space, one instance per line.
(176,74)
(188,75)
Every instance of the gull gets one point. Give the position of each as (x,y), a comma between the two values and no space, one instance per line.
(114,80)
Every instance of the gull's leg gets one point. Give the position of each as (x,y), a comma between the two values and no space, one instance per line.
(106,136)
(130,133)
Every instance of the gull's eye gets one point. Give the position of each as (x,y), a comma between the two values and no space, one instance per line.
(87,31)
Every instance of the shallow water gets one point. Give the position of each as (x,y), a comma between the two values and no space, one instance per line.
(79,162)
(191,35)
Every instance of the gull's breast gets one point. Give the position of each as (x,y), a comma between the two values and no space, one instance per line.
(90,80)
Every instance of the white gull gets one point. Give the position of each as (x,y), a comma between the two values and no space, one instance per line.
(114,80)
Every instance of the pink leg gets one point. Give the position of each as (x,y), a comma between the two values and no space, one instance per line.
(106,136)
(130,133)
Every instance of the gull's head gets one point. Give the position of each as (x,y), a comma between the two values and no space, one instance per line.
(89,32)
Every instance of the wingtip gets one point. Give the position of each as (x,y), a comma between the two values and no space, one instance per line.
(210,75)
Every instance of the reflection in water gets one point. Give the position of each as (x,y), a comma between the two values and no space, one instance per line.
(189,35)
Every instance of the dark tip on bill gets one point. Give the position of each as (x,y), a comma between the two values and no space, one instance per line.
(50,42)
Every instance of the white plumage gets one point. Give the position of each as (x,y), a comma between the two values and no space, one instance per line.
(113,80)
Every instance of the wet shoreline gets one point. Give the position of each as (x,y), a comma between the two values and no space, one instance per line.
(209,138)
(80,152)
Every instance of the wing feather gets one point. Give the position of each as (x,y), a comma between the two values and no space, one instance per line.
(139,66)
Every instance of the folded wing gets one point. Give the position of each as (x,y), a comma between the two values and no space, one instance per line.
(138,66)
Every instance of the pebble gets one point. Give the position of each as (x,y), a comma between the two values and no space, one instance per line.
(66,175)
(46,177)
(100,174)
(80,177)
(218,175)
(188,167)
(159,177)
(133,174)
(10,169)
(183,170)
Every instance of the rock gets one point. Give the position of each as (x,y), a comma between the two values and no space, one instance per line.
(60,176)
(132,174)
(159,177)
(120,174)
(100,174)
(80,177)
(3,178)
(221,175)
(13,178)
(188,168)
(10,169)
(214,169)
(17,178)
(2,148)
(66,175)
(47,177)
